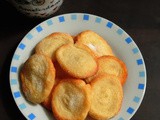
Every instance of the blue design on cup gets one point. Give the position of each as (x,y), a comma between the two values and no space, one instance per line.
(130,110)
(22,46)
(139,62)
(13,82)
(22,106)
(29,36)
(128,40)
(98,20)
(142,74)
(109,24)
(31,116)
(121,118)
(119,31)
(14,69)
(136,99)
(135,50)
(16,57)
(49,22)
(141,86)
(86,17)
(74,17)
(17,94)
(39,28)
(61,19)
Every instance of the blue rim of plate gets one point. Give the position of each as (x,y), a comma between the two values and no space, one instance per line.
(84,17)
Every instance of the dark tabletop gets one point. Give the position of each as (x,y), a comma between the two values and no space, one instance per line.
(141,20)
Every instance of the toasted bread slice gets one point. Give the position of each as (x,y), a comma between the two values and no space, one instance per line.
(107,95)
(76,62)
(111,65)
(51,43)
(96,43)
(37,77)
(71,100)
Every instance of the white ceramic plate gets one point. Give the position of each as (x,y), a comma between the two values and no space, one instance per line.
(122,44)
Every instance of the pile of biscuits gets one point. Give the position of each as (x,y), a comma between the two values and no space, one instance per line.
(75,77)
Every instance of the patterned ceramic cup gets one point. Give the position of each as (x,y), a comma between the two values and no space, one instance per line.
(37,8)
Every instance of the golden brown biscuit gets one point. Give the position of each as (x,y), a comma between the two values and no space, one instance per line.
(96,43)
(60,73)
(71,100)
(76,62)
(47,102)
(111,65)
(107,95)
(86,48)
(37,78)
(51,43)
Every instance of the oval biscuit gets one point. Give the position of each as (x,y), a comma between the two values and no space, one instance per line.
(107,95)
(51,43)
(111,65)
(95,42)
(71,100)
(76,61)
(37,77)
(86,48)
